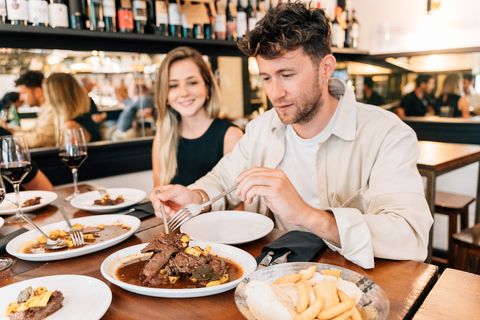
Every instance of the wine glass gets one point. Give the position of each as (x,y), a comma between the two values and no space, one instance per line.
(15,164)
(72,150)
(4,262)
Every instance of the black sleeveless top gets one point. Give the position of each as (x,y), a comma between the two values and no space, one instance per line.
(195,158)
(85,120)
(451,101)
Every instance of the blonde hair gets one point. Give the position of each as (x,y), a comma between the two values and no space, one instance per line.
(168,119)
(66,96)
(452,84)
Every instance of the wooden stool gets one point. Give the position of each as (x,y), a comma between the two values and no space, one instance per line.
(467,243)
(452,205)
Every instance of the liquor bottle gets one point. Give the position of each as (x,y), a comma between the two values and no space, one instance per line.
(231,21)
(58,14)
(174,20)
(109,15)
(251,16)
(95,15)
(337,30)
(348,31)
(124,16)
(355,31)
(38,12)
(241,20)
(3,12)
(77,13)
(139,15)
(209,28)
(220,21)
(17,12)
(161,17)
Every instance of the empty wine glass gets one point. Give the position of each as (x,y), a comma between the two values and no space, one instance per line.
(4,262)
(72,150)
(15,164)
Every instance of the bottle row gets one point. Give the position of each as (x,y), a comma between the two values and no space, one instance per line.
(221,19)
(345,29)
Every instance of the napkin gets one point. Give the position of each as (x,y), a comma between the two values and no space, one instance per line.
(304,246)
(143,210)
(6,239)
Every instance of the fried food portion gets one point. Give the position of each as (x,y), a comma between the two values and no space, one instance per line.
(108,201)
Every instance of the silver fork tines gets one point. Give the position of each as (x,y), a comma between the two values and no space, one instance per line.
(75,234)
(102,192)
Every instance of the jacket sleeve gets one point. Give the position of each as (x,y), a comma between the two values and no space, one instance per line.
(43,135)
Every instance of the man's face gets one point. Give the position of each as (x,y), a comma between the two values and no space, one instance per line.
(466,84)
(430,85)
(292,84)
(29,95)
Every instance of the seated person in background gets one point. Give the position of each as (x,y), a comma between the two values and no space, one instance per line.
(472,97)
(319,161)
(369,95)
(42,134)
(416,103)
(34,180)
(140,99)
(10,103)
(188,105)
(97,116)
(450,103)
(71,103)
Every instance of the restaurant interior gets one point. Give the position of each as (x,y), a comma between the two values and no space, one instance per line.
(397,41)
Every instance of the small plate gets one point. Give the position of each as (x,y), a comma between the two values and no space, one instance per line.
(112,262)
(228,227)
(85,297)
(372,293)
(85,200)
(7,207)
(16,245)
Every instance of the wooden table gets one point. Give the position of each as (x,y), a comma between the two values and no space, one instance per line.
(454,296)
(437,158)
(406,283)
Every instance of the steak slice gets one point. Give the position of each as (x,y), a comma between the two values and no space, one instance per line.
(218,266)
(153,266)
(164,241)
(39,313)
(187,263)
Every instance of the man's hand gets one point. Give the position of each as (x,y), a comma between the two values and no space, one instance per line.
(174,198)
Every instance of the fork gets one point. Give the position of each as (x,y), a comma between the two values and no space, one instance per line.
(102,192)
(191,210)
(76,234)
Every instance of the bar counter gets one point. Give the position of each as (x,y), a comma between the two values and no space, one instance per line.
(406,283)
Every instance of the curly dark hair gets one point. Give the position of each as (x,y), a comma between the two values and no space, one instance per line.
(31,79)
(288,27)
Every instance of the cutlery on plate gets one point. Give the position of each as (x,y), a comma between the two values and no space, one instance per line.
(51,244)
(75,234)
(164,217)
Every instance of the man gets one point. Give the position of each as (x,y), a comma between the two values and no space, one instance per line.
(97,116)
(472,97)
(416,103)
(42,134)
(369,95)
(319,161)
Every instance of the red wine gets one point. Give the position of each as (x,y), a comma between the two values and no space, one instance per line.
(15,172)
(73,161)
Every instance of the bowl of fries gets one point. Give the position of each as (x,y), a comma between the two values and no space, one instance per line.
(307,290)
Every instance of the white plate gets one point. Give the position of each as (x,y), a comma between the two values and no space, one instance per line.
(373,295)
(1,221)
(242,258)
(85,297)
(228,227)
(85,200)
(7,207)
(16,245)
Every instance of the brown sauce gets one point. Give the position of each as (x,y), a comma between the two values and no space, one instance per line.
(109,232)
(130,273)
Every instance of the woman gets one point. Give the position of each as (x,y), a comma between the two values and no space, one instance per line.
(72,104)
(450,103)
(188,104)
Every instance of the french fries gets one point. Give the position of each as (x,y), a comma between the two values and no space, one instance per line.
(288,278)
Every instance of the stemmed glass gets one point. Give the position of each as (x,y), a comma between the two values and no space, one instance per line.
(15,164)
(72,150)
(4,262)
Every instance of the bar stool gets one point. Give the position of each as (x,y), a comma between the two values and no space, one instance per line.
(452,205)
(467,243)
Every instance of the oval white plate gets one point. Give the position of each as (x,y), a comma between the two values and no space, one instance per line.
(15,246)
(228,227)
(7,207)
(85,200)
(372,293)
(85,297)
(243,258)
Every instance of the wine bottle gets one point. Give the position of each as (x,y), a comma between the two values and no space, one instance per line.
(124,16)
(77,13)
(174,20)
(220,21)
(260,10)
(355,31)
(241,20)
(348,31)
(109,15)
(17,12)
(38,13)
(139,15)
(209,28)
(3,12)
(161,17)
(187,28)
(337,30)
(231,21)
(151,26)
(58,14)
(95,15)
(251,16)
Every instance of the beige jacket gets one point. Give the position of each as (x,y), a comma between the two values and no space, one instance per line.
(43,134)
(366,175)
